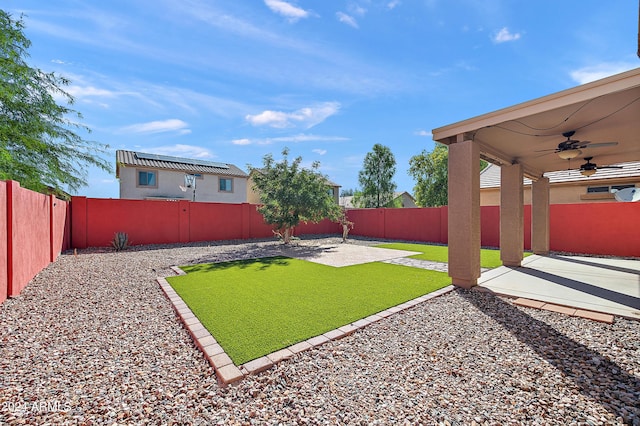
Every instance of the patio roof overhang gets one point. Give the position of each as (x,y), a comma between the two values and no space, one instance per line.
(606,110)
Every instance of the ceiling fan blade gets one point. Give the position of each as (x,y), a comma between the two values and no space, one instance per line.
(610,167)
(600,144)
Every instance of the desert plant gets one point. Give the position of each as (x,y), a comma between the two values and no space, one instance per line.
(346,224)
(120,241)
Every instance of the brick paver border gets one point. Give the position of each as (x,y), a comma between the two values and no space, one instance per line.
(567,310)
(227,372)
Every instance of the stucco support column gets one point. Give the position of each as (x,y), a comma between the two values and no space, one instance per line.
(540,216)
(464,213)
(511,215)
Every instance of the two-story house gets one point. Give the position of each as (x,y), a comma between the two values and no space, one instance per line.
(146,176)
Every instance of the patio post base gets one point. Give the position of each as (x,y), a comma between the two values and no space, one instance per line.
(464,283)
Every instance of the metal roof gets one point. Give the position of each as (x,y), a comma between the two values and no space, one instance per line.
(490,176)
(188,165)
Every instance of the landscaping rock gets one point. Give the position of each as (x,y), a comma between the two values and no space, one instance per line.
(93,340)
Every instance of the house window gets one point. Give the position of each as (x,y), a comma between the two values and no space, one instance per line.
(596,189)
(619,187)
(148,178)
(225,184)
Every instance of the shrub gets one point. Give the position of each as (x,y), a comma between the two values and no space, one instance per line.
(120,241)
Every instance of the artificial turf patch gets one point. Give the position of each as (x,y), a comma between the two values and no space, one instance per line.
(489,258)
(255,307)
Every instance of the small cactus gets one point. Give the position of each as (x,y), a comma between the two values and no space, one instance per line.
(120,241)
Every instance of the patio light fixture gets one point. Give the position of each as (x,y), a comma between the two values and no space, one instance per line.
(568,154)
(190,182)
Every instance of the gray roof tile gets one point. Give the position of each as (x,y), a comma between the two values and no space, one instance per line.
(129,158)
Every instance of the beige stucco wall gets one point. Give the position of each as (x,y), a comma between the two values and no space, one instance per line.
(560,193)
(169,183)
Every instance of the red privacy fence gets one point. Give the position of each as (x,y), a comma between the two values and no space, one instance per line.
(38,227)
(35,230)
(95,221)
(595,228)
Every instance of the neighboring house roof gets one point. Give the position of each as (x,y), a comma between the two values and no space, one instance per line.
(490,176)
(188,165)
(404,194)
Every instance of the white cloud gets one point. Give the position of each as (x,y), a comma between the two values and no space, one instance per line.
(357,9)
(393,3)
(291,12)
(422,133)
(86,91)
(181,150)
(504,35)
(347,19)
(596,72)
(302,137)
(171,125)
(304,117)
(319,151)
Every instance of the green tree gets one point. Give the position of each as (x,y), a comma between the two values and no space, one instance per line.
(290,194)
(376,178)
(38,144)
(430,171)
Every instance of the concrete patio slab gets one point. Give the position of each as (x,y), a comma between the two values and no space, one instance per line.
(339,255)
(606,285)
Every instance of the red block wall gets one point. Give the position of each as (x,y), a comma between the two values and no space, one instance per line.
(598,228)
(257,227)
(35,229)
(412,224)
(4,240)
(602,228)
(490,226)
(367,222)
(215,221)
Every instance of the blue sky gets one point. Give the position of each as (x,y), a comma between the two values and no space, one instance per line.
(231,81)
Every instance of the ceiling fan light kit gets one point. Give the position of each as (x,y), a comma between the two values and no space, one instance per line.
(587,172)
(569,154)
(572,148)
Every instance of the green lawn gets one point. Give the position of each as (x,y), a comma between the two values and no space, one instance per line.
(258,306)
(489,258)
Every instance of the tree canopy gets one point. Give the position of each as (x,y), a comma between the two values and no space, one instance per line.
(290,194)
(430,171)
(39,146)
(376,178)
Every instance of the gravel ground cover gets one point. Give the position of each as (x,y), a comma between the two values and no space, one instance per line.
(92,340)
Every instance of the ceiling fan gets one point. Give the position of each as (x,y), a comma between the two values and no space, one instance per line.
(589,168)
(571,148)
